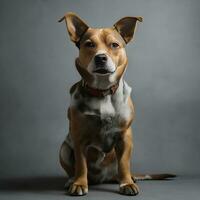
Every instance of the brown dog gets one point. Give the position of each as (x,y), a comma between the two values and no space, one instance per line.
(99,144)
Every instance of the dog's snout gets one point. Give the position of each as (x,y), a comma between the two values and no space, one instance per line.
(100,59)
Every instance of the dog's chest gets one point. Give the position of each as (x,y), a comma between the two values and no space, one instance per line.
(105,117)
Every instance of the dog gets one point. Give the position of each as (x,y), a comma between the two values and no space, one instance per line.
(98,146)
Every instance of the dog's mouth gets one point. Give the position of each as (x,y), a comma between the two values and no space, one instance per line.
(102,71)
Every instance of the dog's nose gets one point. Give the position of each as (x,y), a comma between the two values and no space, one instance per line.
(100,59)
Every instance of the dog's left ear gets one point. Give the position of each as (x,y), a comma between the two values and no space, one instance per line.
(126,27)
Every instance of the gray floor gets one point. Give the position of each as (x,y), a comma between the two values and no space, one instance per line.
(187,187)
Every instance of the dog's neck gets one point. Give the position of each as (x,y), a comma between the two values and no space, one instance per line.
(96,92)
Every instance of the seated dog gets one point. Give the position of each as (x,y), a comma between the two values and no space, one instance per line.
(99,144)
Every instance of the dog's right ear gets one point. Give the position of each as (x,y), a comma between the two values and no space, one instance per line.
(76,26)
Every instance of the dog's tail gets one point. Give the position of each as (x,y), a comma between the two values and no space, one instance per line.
(142,177)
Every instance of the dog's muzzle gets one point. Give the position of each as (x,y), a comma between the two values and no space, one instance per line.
(100,60)
(101,64)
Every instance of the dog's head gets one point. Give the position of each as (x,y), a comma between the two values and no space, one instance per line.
(102,58)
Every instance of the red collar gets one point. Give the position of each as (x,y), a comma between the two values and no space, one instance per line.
(99,92)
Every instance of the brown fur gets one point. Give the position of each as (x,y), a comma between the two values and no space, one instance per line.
(81,130)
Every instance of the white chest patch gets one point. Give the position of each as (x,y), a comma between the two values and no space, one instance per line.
(104,106)
(110,105)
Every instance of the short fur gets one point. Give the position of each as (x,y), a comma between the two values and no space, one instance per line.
(99,144)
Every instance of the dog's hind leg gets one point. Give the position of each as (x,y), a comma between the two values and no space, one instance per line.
(66,157)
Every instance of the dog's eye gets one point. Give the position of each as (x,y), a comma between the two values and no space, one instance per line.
(114,45)
(90,44)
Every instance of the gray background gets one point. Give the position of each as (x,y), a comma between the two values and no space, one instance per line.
(37,70)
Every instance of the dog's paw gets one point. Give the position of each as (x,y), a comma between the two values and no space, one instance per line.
(129,189)
(68,183)
(77,190)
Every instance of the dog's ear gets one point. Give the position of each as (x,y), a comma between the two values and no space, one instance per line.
(76,27)
(126,27)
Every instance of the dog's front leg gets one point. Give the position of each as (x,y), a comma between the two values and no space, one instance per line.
(79,186)
(123,151)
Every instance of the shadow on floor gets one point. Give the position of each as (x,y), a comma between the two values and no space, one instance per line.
(33,184)
(39,184)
